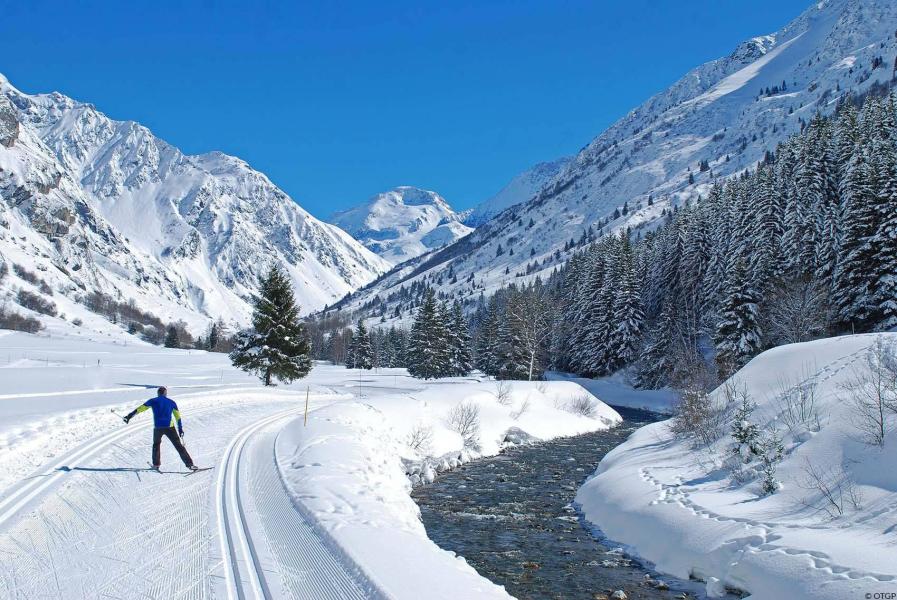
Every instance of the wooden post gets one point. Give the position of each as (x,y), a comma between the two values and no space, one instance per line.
(305,424)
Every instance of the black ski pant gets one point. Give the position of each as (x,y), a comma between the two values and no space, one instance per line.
(172,434)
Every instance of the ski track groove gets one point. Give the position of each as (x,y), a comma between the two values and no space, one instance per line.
(294,559)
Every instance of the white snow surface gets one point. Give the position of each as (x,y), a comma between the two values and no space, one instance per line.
(680,507)
(615,391)
(403,223)
(99,204)
(290,511)
(348,467)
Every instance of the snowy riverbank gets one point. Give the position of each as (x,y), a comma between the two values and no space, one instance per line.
(681,508)
(348,468)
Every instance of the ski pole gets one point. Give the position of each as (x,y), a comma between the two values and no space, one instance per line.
(112,410)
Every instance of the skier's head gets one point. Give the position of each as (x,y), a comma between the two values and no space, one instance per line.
(162,391)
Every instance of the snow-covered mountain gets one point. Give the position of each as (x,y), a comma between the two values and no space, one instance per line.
(101,205)
(717,120)
(520,189)
(403,223)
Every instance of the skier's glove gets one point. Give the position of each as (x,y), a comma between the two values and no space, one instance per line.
(181,432)
(128,417)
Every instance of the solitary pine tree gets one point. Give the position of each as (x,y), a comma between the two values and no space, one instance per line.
(276,345)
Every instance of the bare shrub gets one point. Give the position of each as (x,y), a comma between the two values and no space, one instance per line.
(77,322)
(36,303)
(698,418)
(833,489)
(45,288)
(872,393)
(796,311)
(464,418)
(12,320)
(25,275)
(583,405)
(524,407)
(420,437)
(4,270)
(503,392)
(798,409)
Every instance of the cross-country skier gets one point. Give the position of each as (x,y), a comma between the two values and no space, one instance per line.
(165,416)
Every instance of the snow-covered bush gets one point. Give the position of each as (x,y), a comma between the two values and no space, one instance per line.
(583,405)
(464,419)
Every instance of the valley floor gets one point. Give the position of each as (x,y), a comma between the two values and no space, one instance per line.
(295,507)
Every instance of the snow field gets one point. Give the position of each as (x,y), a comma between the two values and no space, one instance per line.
(682,509)
(290,511)
(349,469)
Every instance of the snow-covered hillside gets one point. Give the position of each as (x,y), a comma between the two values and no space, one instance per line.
(520,189)
(95,204)
(695,510)
(403,223)
(717,120)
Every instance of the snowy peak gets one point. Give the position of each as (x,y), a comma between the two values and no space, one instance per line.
(403,223)
(185,236)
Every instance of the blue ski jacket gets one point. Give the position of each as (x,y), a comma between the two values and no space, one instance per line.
(165,412)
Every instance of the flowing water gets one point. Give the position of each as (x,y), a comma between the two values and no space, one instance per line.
(511,517)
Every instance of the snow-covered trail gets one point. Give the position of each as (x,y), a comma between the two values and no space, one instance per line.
(97,523)
(268,548)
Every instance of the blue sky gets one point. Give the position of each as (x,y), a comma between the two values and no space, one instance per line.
(337,100)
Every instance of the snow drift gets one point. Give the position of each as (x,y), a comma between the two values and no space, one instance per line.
(827,532)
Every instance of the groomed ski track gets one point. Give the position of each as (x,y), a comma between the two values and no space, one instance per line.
(290,559)
(95,523)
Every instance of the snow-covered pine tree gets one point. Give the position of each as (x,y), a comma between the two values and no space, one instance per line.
(738,336)
(362,351)
(459,337)
(745,433)
(428,357)
(627,311)
(276,346)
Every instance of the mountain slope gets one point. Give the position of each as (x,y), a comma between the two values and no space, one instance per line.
(104,205)
(402,223)
(520,189)
(719,119)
